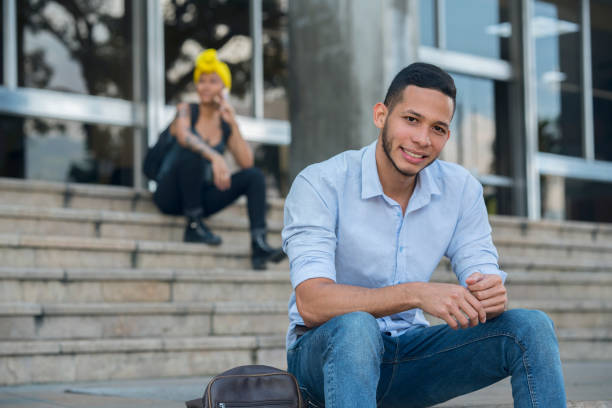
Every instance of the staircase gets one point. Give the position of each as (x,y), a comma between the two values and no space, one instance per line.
(95,284)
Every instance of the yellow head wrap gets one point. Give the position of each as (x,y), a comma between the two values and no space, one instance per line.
(207,63)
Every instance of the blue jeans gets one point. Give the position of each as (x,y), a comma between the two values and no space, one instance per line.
(348,362)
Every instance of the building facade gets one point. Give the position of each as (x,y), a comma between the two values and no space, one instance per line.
(86,85)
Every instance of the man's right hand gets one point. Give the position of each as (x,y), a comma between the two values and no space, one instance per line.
(451,303)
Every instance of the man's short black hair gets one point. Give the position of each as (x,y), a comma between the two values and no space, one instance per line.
(424,76)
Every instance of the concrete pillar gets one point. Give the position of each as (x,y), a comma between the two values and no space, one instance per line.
(343,55)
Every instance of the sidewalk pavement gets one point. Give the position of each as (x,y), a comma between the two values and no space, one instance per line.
(588,385)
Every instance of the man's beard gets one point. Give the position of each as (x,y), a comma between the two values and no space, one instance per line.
(387,149)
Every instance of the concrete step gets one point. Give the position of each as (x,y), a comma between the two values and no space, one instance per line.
(549,285)
(109,285)
(575,231)
(31,321)
(566,314)
(27,362)
(48,194)
(573,251)
(44,361)
(61,251)
(95,285)
(231,225)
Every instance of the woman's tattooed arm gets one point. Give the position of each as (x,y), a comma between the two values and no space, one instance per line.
(191,140)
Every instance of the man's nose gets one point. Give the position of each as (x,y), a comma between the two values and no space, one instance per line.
(421,137)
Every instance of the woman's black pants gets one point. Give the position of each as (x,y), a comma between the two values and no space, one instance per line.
(183,190)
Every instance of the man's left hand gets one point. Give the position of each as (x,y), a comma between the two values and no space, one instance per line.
(491,292)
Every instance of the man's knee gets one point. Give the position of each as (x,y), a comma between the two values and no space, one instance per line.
(358,332)
(530,324)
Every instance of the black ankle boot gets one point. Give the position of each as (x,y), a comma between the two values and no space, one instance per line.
(261,252)
(197,231)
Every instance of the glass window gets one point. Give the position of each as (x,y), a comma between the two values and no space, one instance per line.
(480,129)
(76,46)
(427,23)
(59,150)
(192,26)
(572,199)
(601,38)
(275,59)
(556,30)
(1,46)
(11,149)
(479,27)
(498,200)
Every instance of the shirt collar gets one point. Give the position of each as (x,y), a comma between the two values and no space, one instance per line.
(427,183)
(370,182)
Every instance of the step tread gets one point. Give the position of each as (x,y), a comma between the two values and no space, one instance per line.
(75,309)
(221,220)
(114,244)
(90,190)
(145,274)
(89,346)
(238,275)
(251,307)
(35,347)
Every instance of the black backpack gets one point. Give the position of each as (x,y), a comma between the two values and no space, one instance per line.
(253,386)
(155,155)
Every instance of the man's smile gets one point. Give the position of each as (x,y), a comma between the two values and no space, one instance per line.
(412,156)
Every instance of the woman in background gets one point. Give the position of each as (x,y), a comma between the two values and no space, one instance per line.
(194,179)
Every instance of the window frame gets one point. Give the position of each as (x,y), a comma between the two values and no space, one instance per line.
(146,113)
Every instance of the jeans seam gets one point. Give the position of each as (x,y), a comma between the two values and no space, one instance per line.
(332,385)
(523,349)
(532,392)
(393,370)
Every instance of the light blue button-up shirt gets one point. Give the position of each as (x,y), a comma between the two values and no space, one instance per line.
(340,225)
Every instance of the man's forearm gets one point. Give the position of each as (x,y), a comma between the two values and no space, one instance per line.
(319,300)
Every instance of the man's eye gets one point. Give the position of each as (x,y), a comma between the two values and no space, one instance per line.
(411,119)
(440,129)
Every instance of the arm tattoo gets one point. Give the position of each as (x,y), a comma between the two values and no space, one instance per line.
(182,112)
(198,145)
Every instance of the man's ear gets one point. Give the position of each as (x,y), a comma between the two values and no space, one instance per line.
(380,112)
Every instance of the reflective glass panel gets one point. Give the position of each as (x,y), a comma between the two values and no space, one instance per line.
(427,25)
(556,31)
(191,26)
(601,40)
(498,200)
(479,27)
(58,150)
(76,46)
(275,59)
(480,128)
(572,199)
(1,46)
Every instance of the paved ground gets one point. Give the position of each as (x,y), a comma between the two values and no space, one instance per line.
(584,382)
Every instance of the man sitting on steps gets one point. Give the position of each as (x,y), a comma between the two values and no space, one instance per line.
(364,231)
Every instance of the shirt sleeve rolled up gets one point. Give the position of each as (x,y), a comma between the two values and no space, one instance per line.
(471,247)
(309,236)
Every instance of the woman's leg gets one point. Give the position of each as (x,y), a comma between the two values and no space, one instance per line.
(251,183)
(179,192)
